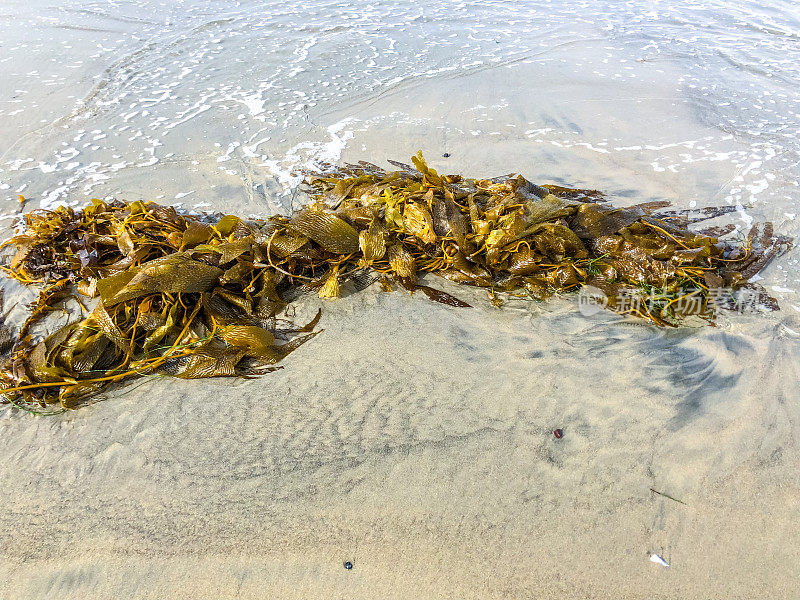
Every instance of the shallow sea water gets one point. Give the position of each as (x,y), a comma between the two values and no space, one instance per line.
(411,438)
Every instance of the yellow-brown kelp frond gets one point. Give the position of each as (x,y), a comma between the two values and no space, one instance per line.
(172,295)
(198,297)
(508,234)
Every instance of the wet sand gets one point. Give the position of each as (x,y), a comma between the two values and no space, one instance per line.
(415,441)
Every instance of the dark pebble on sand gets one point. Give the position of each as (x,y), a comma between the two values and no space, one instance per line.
(558,433)
(446,155)
(348,565)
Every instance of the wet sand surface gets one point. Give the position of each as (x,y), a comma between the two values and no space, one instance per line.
(413,439)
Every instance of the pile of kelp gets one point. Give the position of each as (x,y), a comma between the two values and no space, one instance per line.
(198,296)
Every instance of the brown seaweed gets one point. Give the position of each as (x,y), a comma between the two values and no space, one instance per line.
(196,297)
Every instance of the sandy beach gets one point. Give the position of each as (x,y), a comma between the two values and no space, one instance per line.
(412,439)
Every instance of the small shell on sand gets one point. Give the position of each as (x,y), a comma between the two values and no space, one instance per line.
(658,560)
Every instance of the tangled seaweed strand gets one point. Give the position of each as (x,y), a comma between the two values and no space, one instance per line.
(179,295)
